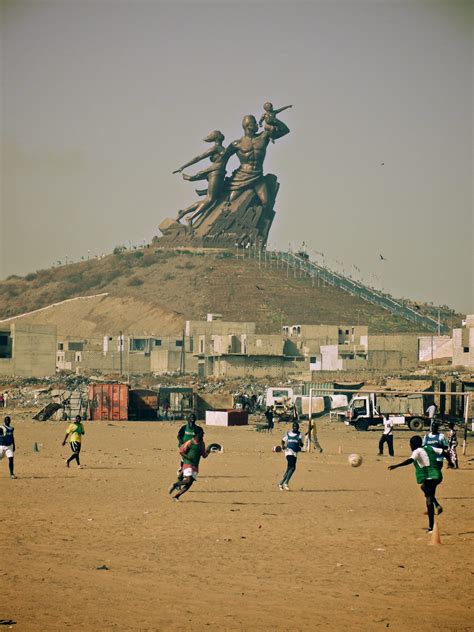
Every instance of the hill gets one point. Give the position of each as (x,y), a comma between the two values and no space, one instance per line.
(148,289)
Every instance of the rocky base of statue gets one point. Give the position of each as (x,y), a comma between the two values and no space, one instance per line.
(243,221)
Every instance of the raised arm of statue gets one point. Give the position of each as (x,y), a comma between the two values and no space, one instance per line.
(193,161)
(285,107)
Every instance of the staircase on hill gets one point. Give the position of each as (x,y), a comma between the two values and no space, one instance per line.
(303,266)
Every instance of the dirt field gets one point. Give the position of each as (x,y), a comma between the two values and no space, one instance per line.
(346,548)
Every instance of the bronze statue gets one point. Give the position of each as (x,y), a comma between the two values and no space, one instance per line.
(251,150)
(236,209)
(214,174)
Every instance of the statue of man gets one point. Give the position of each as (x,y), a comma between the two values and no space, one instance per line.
(251,150)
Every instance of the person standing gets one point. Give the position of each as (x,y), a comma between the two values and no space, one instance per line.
(453,444)
(428,474)
(7,444)
(311,437)
(74,434)
(387,436)
(292,444)
(431,413)
(269,418)
(191,452)
(436,439)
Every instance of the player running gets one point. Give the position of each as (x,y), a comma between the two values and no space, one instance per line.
(428,473)
(191,452)
(74,434)
(7,444)
(292,444)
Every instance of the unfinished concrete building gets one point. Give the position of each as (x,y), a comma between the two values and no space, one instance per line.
(122,354)
(328,347)
(463,343)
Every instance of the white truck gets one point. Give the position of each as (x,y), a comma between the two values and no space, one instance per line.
(368,409)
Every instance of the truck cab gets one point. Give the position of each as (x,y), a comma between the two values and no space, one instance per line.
(369,409)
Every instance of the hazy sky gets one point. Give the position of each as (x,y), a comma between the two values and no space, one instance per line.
(101,100)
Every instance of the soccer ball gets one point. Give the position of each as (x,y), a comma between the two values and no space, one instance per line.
(355,460)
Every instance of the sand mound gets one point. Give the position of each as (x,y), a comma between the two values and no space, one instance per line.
(88,316)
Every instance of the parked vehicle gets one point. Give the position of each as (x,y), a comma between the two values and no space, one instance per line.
(368,409)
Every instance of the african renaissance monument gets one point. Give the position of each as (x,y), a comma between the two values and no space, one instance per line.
(236,209)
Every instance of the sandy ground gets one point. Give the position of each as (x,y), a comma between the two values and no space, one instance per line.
(345,548)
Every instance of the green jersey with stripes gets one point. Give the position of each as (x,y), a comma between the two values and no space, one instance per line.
(426,464)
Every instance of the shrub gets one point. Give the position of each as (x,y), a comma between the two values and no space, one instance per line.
(135,281)
(148,260)
(138,254)
(168,276)
(31,276)
(118,250)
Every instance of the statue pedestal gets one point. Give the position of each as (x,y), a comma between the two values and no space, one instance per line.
(242,221)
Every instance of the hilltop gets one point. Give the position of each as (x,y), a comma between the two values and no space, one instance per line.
(148,289)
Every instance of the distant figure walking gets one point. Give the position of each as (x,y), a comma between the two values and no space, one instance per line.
(269,418)
(292,444)
(74,434)
(7,444)
(453,444)
(387,436)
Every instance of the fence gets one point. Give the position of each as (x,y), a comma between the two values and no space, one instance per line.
(301,266)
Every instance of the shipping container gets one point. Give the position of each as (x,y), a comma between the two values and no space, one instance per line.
(108,402)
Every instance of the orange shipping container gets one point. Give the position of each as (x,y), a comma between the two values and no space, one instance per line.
(108,401)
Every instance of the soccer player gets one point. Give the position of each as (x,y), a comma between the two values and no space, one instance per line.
(74,434)
(191,452)
(428,474)
(292,444)
(186,432)
(436,439)
(7,444)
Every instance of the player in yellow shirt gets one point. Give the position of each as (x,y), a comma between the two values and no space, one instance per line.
(74,433)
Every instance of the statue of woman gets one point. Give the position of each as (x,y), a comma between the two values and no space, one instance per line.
(214,174)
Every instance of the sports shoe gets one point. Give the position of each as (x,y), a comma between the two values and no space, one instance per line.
(280,487)
(286,488)
(172,488)
(12,476)
(79,467)
(438,510)
(429,530)
(320,450)
(67,463)
(176,500)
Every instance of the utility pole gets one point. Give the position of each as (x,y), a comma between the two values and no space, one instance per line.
(121,352)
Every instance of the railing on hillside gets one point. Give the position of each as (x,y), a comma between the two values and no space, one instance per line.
(302,266)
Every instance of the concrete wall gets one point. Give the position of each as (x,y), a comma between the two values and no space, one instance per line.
(434,348)
(218,327)
(393,351)
(254,366)
(33,351)
(268,344)
(165,360)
